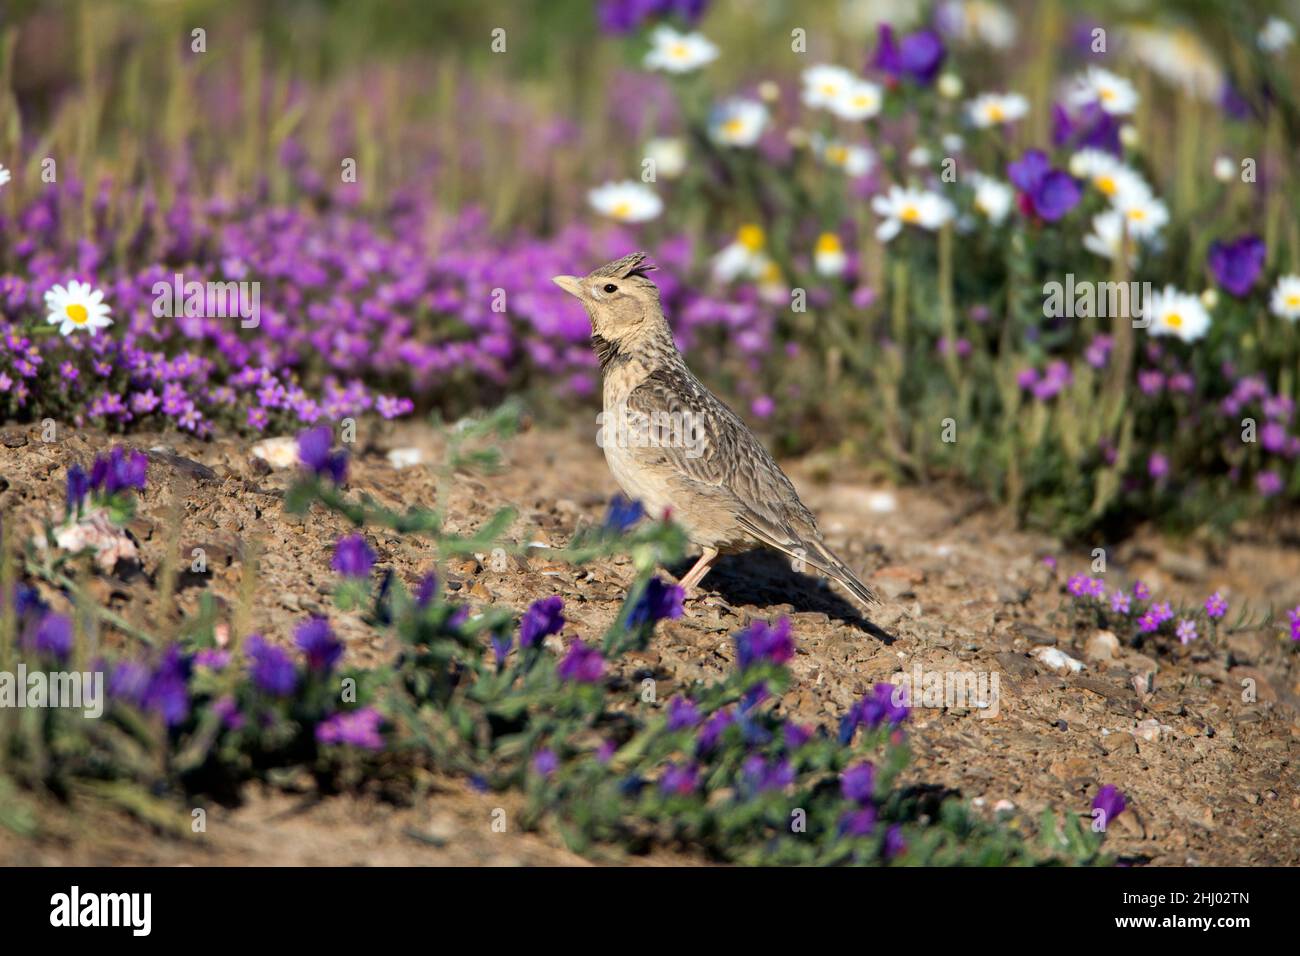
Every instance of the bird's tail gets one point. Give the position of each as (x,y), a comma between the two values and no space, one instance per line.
(812,552)
(825,561)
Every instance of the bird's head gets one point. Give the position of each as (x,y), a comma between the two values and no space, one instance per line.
(621,301)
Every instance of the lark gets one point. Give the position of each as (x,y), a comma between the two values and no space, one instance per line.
(677,448)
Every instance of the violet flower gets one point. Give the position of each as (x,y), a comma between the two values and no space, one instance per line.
(1236,265)
(917,56)
(542,619)
(583,664)
(353,558)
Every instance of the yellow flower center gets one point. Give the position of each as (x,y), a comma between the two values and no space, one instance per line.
(910,214)
(862,100)
(837,155)
(1106,184)
(771,273)
(1107,94)
(996,115)
(828,244)
(1293,300)
(1137,215)
(830,89)
(751,237)
(1174,320)
(734,127)
(621,210)
(680,50)
(77,313)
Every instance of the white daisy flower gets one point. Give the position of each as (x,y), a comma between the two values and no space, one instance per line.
(1225,169)
(978,20)
(949,86)
(1179,314)
(1276,35)
(1115,94)
(829,258)
(1107,236)
(738,122)
(918,156)
(994,109)
(853,160)
(993,197)
(626,201)
(860,100)
(675,52)
(668,155)
(77,307)
(1286,298)
(916,207)
(4,176)
(744,257)
(1180,57)
(1107,174)
(824,85)
(1144,214)
(772,287)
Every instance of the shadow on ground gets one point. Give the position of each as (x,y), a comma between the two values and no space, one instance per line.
(763,578)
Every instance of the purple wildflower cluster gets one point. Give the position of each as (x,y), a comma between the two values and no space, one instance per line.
(1136,605)
(115,473)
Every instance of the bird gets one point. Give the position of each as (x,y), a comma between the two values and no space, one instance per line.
(680,450)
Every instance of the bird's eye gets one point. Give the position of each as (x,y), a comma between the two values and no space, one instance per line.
(610,287)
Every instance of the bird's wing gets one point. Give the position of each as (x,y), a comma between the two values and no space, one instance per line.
(722,459)
(721,456)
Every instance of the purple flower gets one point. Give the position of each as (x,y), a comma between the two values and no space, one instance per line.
(1293,618)
(426,590)
(1141,591)
(876,709)
(1236,265)
(353,558)
(542,619)
(1215,605)
(761,775)
(1110,801)
(1186,631)
(119,471)
(317,641)
(212,658)
(1050,193)
(1268,483)
(271,668)
(314,452)
(622,514)
(679,780)
(52,636)
(796,735)
(583,664)
(858,823)
(682,713)
(858,783)
(712,730)
(659,601)
(626,16)
(1157,465)
(78,486)
(501,644)
(168,691)
(917,56)
(894,844)
(545,762)
(765,643)
(1162,612)
(355,728)
(1089,126)
(1119,602)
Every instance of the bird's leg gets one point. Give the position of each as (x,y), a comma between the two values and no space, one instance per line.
(696,574)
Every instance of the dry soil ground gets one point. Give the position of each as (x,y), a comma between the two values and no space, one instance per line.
(1210,778)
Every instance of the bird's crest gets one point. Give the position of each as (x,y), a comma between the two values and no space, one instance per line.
(626,268)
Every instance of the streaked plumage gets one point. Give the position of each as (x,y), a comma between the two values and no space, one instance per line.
(719,482)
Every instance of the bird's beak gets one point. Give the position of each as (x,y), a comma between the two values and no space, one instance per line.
(570,284)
